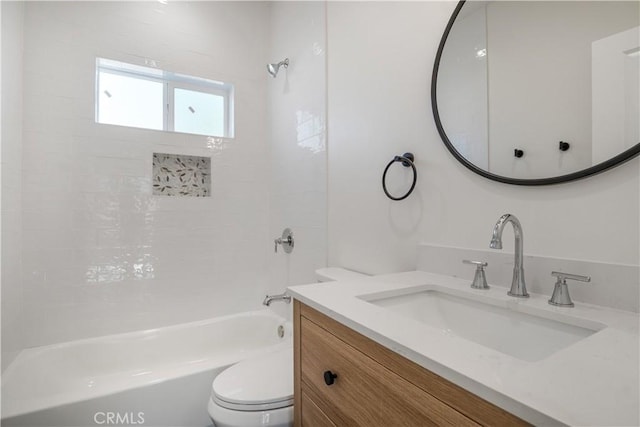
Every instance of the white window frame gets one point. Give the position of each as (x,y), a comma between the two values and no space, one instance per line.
(170,82)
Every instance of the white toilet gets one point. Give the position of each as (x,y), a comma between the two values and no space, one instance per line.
(255,392)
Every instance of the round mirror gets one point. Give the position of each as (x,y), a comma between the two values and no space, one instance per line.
(539,92)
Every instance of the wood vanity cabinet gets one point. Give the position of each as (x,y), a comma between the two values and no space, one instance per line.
(342,378)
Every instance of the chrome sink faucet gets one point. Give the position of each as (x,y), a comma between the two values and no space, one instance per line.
(518,287)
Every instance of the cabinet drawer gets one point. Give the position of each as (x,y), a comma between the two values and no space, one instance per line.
(390,399)
(312,416)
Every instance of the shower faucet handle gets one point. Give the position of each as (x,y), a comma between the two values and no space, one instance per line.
(286,241)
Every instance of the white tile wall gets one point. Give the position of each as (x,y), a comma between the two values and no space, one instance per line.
(298,153)
(101,253)
(10,163)
(379,106)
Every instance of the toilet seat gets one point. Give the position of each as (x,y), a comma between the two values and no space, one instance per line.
(252,407)
(257,384)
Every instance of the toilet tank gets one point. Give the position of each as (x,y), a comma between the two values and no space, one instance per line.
(330,274)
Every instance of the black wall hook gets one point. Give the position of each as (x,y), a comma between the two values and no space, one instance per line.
(563,146)
(518,153)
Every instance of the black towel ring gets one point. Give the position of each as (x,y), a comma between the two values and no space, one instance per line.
(407,160)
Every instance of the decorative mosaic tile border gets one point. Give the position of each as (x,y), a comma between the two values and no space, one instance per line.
(179,175)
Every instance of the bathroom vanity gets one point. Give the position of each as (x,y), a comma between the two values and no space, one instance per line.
(375,386)
(409,349)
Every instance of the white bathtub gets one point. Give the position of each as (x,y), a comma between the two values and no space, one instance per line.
(159,377)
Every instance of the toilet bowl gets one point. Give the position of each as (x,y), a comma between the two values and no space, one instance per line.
(255,392)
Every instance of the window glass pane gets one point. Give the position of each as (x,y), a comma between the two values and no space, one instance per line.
(198,112)
(130,101)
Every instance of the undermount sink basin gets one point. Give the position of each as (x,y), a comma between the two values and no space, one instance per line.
(491,324)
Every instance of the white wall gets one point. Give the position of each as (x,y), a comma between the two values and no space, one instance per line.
(379,68)
(11,164)
(101,253)
(298,151)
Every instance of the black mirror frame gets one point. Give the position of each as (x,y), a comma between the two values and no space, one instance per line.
(601,167)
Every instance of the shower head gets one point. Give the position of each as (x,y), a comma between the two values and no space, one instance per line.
(273,68)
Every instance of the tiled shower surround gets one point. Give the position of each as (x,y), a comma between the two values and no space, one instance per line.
(102,253)
(298,154)
(180,175)
(11,164)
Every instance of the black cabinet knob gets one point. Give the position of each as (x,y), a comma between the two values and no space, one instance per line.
(329,377)
(518,153)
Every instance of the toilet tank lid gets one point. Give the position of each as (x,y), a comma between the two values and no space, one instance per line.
(260,380)
(329,274)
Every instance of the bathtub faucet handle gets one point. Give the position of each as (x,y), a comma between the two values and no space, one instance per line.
(286,241)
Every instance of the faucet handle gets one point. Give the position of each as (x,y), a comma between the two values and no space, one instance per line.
(286,241)
(564,276)
(560,296)
(479,280)
(478,263)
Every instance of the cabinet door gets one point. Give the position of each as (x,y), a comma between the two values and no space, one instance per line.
(365,393)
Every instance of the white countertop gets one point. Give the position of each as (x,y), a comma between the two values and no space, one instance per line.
(595,381)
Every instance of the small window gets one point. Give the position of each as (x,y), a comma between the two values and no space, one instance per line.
(193,107)
(149,98)
(130,101)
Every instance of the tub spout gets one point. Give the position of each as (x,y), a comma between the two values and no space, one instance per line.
(268,299)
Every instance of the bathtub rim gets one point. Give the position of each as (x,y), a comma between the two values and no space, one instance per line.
(177,326)
(8,410)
